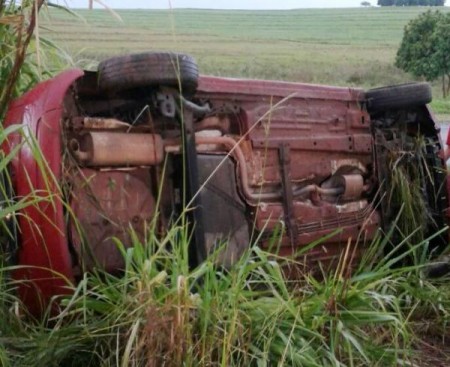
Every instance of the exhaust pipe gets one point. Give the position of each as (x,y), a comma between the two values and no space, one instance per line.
(118,149)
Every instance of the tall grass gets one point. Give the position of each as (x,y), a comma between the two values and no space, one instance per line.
(159,312)
(21,66)
(25,58)
(16,31)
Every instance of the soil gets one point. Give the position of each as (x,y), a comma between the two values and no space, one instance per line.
(432,351)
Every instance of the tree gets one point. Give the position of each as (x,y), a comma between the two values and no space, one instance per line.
(442,55)
(366,4)
(411,2)
(425,48)
(386,2)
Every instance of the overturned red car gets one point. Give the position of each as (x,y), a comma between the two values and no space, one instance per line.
(146,136)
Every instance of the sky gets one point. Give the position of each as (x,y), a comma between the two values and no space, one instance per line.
(222,4)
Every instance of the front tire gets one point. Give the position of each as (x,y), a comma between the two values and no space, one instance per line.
(398,96)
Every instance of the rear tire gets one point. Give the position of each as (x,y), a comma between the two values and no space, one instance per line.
(398,96)
(148,69)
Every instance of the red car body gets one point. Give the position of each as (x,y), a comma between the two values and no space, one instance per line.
(44,254)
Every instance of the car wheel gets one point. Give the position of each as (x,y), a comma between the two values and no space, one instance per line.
(398,96)
(148,69)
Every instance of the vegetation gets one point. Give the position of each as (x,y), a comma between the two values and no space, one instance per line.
(16,33)
(424,50)
(411,2)
(355,47)
(337,46)
(158,312)
(25,59)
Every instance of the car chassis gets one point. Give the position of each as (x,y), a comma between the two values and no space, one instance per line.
(145,137)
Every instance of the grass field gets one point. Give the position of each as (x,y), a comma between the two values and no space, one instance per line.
(337,46)
(353,47)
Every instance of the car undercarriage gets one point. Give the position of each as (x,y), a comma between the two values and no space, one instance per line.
(145,141)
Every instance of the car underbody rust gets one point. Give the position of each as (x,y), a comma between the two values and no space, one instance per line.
(235,157)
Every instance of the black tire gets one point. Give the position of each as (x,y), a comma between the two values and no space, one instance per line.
(147,70)
(398,96)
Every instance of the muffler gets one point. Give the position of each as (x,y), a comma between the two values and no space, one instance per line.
(94,149)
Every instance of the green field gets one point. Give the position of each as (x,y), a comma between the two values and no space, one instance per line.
(348,47)
(338,46)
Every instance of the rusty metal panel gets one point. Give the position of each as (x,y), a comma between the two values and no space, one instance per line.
(306,166)
(211,85)
(109,204)
(346,143)
(312,217)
